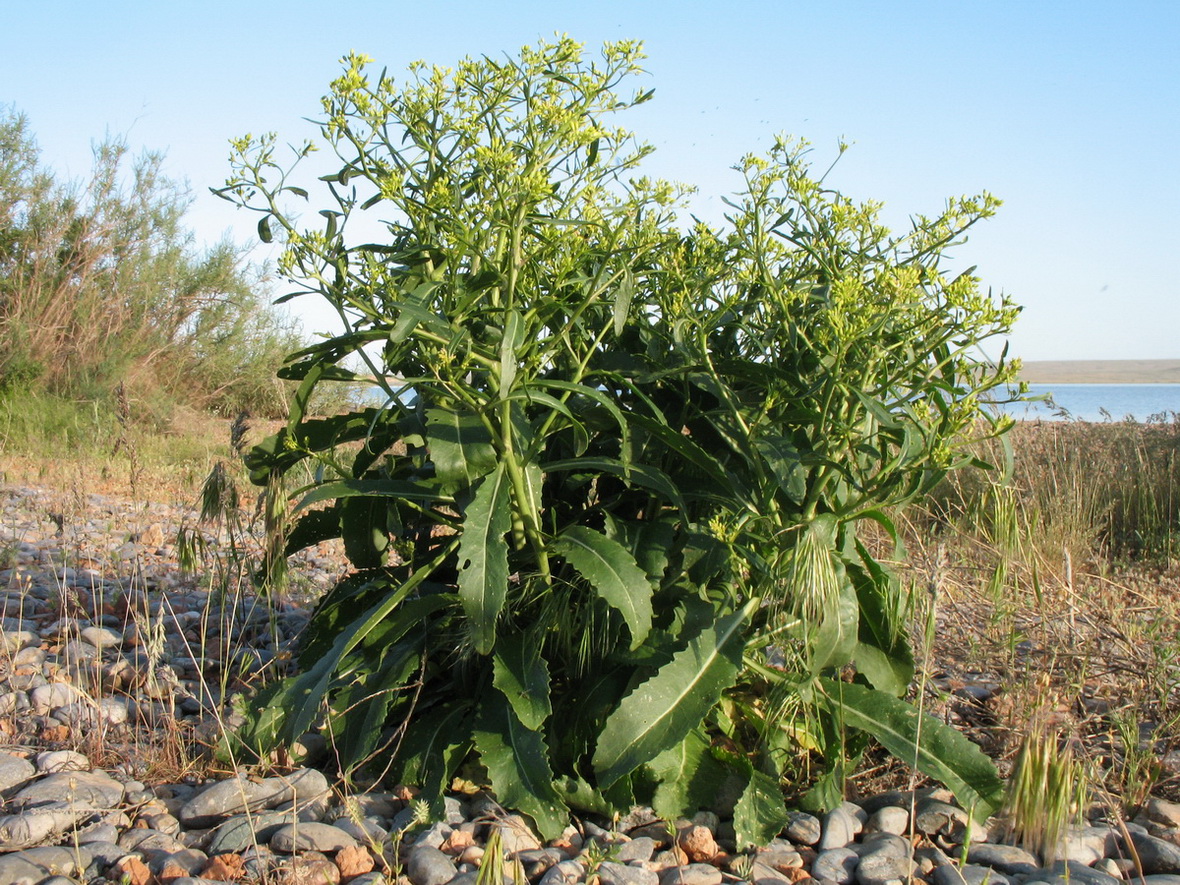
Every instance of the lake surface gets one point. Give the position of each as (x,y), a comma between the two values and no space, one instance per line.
(1101,402)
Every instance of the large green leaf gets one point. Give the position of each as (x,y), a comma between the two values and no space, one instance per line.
(634,474)
(688,777)
(613,573)
(883,653)
(517,761)
(304,695)
(760,814)
(785,465)
(932,747)
(460,447)
(363,528)
(280,451)
(483,557)
(435,742)
(658,713)
(413,310)
(361,710)
(833,642)
(522,675)
(648,540)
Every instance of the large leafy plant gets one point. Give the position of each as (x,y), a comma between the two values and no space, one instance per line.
(603,504)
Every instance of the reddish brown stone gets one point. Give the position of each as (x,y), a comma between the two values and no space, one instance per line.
(698,843)
(224,868)
(135,871)
(457,842)
(354,861)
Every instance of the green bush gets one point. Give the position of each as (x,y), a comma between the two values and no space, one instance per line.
(604,518)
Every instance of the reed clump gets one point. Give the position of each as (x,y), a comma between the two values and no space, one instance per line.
(1027,573)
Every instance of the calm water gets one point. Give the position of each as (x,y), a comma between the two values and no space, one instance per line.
(1086,402)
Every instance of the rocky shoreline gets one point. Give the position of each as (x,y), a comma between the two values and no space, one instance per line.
(114,664)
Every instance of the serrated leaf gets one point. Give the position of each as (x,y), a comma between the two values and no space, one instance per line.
(483,557)
(785,465)
(613,573)
(522,676)
(688,776)
(932,747)
(658,713)
(517,761)
(647,540)
(760,814)
(305,694)
(460,446)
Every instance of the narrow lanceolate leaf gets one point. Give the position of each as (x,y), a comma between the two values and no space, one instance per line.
(375,488)
(661,711)
(517,761)
(522,675)
(460,446)
(613,573)
(935,749)
(483,558)
(760,814)
(512,338)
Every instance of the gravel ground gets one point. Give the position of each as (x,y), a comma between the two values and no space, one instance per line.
(116,665)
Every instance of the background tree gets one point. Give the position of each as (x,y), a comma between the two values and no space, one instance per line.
(101,283)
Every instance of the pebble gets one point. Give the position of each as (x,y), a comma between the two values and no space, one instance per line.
(611,873)
(94,657)
(1004,858)
(839,829)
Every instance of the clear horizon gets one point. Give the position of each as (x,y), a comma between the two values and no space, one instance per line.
(1066,111)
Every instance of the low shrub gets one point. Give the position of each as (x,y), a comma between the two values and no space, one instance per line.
(604,514)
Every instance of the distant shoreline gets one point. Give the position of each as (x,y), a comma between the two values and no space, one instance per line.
(1101,372)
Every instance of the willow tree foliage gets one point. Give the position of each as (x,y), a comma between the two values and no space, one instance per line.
(603,507)
(101,283)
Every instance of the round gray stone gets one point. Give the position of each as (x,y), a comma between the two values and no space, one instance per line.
(840,829)
(885,844)
(1008,859)
(429,866)
(692,874)
(95,790)
(15,772)
(1156,855)
(610,873)
(969,874)
(293,838)
(890,819)
(837,864)
(639,849)
(61,760)
(880,868)
(805,829)
(568,872)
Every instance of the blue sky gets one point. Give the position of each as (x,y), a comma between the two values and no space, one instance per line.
(1068,111)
